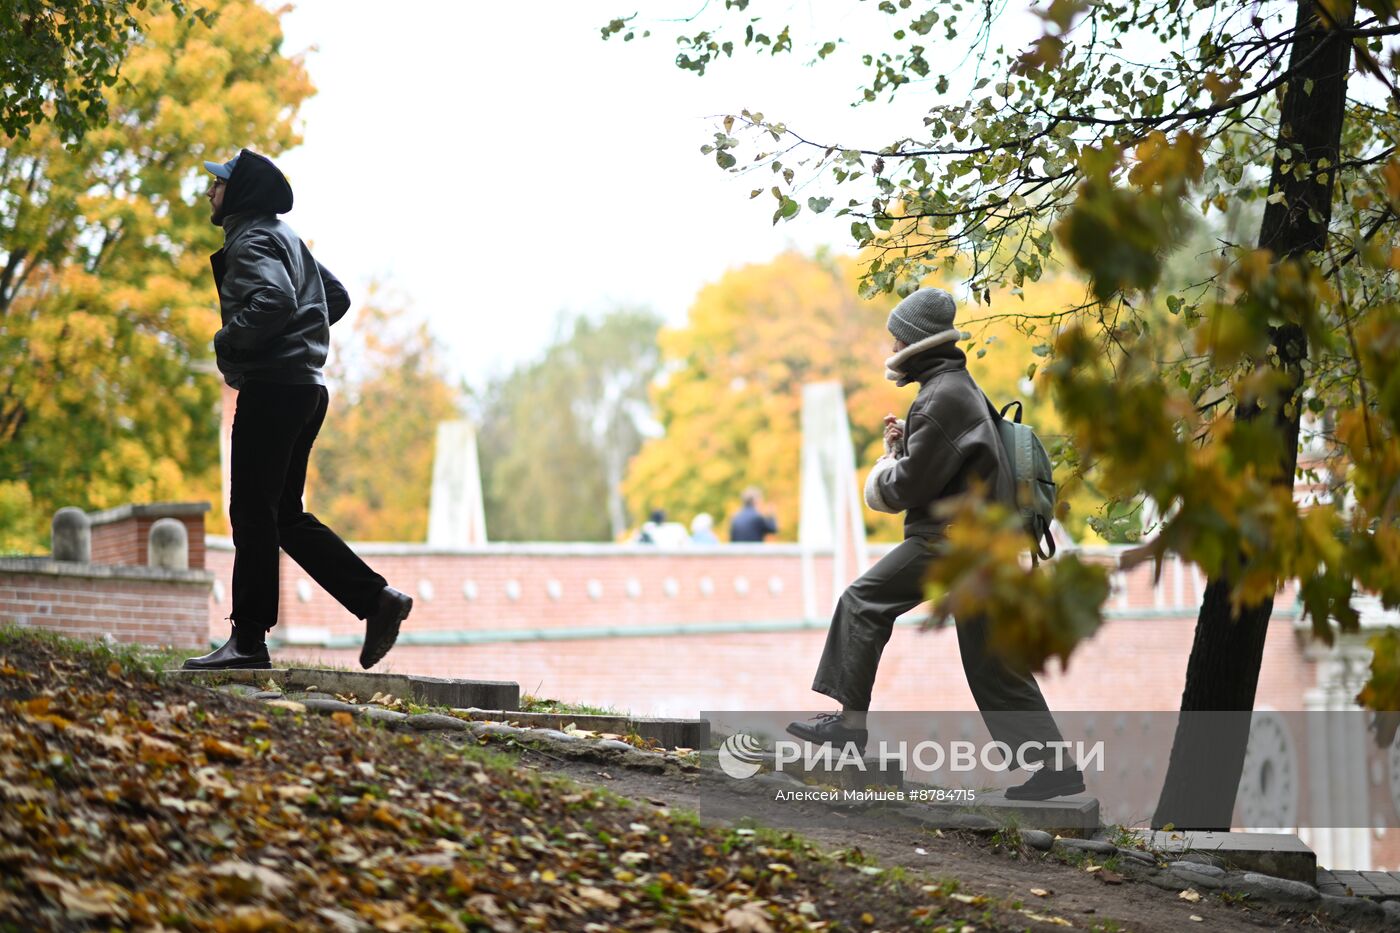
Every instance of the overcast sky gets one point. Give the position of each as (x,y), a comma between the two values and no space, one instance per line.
(494,165)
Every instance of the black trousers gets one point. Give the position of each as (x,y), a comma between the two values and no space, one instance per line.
(274,427)
(1009,699)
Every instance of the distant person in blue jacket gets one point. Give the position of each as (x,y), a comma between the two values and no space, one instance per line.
(750,525)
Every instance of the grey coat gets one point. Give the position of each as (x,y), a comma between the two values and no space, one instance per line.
(950,444)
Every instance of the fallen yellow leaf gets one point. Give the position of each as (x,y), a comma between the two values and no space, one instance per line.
(223,751)
(1047,918)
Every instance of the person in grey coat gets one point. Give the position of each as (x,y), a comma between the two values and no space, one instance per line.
(946,446)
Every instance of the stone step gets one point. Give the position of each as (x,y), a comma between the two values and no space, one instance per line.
(1375,885)
(1078,813)
(668,733)
(428,691)
(1281,855)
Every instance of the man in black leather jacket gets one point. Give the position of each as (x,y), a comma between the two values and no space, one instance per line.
(277,304)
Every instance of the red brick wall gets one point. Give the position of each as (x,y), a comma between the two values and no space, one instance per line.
(123,542)
(131,609)
(1136,662)
(491,573)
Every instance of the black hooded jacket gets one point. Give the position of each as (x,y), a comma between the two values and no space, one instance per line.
(277,302)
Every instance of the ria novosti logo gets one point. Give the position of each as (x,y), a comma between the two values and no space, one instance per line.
(740,755)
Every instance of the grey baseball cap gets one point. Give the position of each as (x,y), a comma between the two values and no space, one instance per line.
(222,170)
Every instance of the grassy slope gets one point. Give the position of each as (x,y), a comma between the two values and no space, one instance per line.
(132,804)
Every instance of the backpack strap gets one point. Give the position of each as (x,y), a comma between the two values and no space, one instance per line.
(1045,544)
(1007,407)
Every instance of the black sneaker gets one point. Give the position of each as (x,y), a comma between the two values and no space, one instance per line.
(382,628)
(1047,783)
(830,729)
(228,657)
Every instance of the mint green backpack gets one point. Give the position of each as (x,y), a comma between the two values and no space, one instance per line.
(1033,474)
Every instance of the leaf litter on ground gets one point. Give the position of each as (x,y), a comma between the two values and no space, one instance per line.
(138,804)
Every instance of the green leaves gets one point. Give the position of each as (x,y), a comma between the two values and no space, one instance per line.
(108,310)
(787,209)
(1113,236)
(1061,154)
(1032,614)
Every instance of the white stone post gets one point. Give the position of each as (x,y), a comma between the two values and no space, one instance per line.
(168,545)
(72,536)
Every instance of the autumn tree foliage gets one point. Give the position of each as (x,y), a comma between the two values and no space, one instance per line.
(556,433)
(59,57)
(1104,137)
(730,395)
(106,303)
(372,473)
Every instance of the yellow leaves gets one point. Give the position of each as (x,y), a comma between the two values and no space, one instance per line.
(972,900)
(1167,164)
(1382,690)
(1115,235)
(731,405)
(37,711)
(1221,88)
(385,816)
(1390,175)
(219,750)
(116,303)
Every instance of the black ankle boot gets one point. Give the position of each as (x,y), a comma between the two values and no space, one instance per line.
(830,729)
(1047,783)
(382,626)
(246,649)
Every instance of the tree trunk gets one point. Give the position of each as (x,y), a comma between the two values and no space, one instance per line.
(1222,675)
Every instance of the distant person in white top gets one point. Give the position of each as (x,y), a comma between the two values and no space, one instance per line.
(656,530)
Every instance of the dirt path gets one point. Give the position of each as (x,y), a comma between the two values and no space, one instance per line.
(1076,895)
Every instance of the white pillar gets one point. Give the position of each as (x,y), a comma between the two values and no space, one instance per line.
(831,516)
(456,516)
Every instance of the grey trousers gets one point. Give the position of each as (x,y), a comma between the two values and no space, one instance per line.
(1009,699)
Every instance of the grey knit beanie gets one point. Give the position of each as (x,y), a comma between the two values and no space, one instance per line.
(926,312)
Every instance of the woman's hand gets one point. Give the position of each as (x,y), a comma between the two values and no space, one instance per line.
(894,433)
